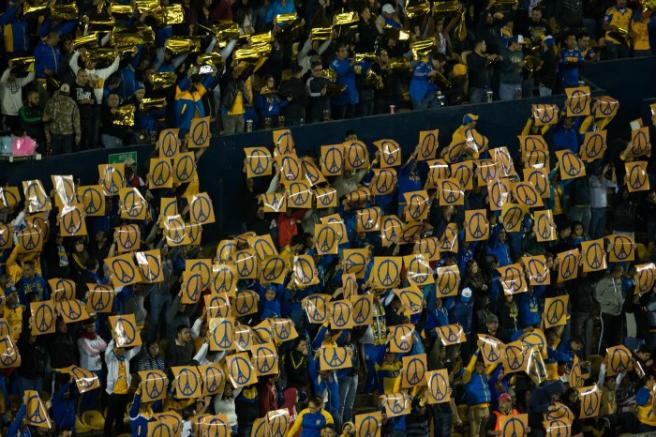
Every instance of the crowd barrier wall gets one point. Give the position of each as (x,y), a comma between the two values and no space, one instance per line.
(220,168)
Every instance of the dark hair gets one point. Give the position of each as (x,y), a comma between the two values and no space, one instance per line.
(316,64)
(181,328)
(316,400)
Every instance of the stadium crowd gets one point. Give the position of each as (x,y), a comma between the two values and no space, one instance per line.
(87,74)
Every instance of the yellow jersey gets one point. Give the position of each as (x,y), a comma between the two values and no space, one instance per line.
(620,18)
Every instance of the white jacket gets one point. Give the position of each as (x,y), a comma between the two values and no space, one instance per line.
(112,365)
(11,92)
(97,77)
(90,352)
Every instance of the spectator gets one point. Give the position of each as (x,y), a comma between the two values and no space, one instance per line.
(11,90)
(63,118)
(512,57)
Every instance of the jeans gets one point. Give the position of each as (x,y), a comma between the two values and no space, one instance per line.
(597,222)
(616,51)
(29,384)
(90,125)
(442,421)
(233,124)
(477,95)
(612,331)
(510,91)
(429,101)
(372,354)
(348,386)
(581,214)
(159,303)
(62,144)
(582,328)
(477,417)
(111,142)
(115,412)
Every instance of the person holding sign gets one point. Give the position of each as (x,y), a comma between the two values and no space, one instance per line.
(647,405)
(118,384)
(505,402)
(477,394)
(608,293)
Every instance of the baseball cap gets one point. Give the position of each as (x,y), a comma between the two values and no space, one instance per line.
(466,294)
(469,117)
(491,318)
(388,8)
(65,88)
(504,397)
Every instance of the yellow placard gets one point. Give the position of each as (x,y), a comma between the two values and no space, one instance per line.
(258,162)
(636,177)
(451,334)
(123,271)
(413,371)
(389,153)
(43,317)
(240,370)
(544,226)
(160,174)
(36,413)
(555,311)
(100,298)
(386,272)
(477,227)
(150,266)
(569,165)
(125,331)
(439,389)
(199,135)
(305,272)
(111,177)
(187,382)
(154,385)
(401,338)
(512,278)
(168,143)
(578,101)
(593,255)
(332,160)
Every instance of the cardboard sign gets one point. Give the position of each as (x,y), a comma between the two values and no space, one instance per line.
(213,379)
(334,358)
(36,198)
(451,334)
(305,272)
(368,219)
(100,298)
(30,239)
(72,222)
(555,311)
(184,167)
(417,205)
(356,155)
(273,270)
(224,278)
(578,101)
(532,143)
(490,348)
(389,153)
(363,309)
(291,169)
(386,272)
(594,146)
(123,271)
(265,359)
(401,338)
(449,239)
(9,353)
(6,237)
(127,238)
(341,314)
(283,141)
(187,382)
(201,210)
(154,385)
(247,263)
(160,428)
(527,195)
(537,270)
(199,134)
(486,172)
(477,227)
(428,144)
(160,174)
(412,231)
(544,227)
(258,162)
(349,285)
(512,279)
(357,199)
(390,230)
(512,217)
(316,307)
(640,145)
(568,265)
(396,404)
(150,266)
(621,248)
(569,165)
(438,169)
(263,246)
(85,380)
(451,192)
(517,357)
(645,278)
(368,424)
(42,317)
(413,371)
(311,172)
(355,261)
(575,377)
(560,412)
(72,310)
(299,195)
(124,330)
(593,255)
(64,187)
(429,247)
(619,359)
(240,370)
(273,202)
(221,334)
(447,281)
(439,388)
(539,178)
(590,398)
(278,422)
(326,197)
(9,197)
(383,181)
(515,425)
(326,238)
(132,204)
(463,172)
(536,159)
(418,269)
(555,428)
(282,330)
(217,305)
(246,303)
(605,107)
(111,177)
(636,177)
(412,299)
(545,114)
(498,193)
(168,143)
(504,162)
(36,413)
(332,160)
(61,289)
